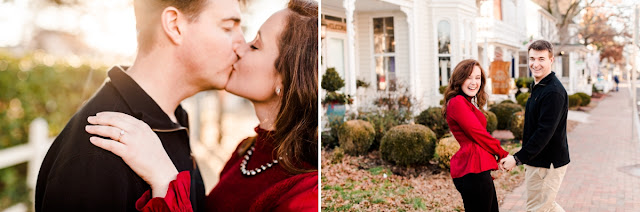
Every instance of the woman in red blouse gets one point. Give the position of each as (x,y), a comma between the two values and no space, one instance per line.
(471,166)
(275,171)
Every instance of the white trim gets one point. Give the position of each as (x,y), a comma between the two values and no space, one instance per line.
(349,6)
(333,11)
(402,3)
(411,25)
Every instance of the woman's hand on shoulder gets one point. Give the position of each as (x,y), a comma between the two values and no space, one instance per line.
(139,147)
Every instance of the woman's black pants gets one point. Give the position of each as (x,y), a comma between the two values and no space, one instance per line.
(478,192)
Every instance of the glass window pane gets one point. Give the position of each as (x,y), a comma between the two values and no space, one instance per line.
(523,71)
(386,73)
(444,70)
(377,26)
(378,44)
(335,55)
(390,44)
(444,37)
(380,73)
(388,25)
(390,65)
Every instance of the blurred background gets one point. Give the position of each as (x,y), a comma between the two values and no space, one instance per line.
(54,55)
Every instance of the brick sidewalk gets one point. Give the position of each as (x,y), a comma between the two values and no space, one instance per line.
(602,156)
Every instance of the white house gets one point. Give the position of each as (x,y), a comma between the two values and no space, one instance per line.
(578,67)
(397,44)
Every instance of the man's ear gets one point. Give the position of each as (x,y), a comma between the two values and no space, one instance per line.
(173,24)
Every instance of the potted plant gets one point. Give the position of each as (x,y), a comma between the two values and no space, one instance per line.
(335,102)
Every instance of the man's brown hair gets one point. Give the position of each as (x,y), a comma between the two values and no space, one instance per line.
(149,11)
(541,45)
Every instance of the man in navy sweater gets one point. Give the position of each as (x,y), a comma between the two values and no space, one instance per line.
(544,152)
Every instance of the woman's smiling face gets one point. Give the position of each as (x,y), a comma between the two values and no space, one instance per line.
(473,82)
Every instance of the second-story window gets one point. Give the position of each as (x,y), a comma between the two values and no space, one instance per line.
(444,52)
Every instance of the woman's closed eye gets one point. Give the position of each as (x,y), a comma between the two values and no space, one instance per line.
(254,47)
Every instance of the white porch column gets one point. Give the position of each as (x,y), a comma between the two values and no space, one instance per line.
(413,78)
(350,6)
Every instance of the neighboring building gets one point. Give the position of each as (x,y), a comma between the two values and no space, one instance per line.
(540,25)
(577,66)
(501,35)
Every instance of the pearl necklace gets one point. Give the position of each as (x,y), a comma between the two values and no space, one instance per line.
(247,156)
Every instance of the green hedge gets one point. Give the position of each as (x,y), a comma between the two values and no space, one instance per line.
(411,144)
(575,100)
(503,112)
(516,125)
(445,149)
(383,120)
(492,121)
(586,99)
(432,118)
(36,86)
(356,136)
(522,99)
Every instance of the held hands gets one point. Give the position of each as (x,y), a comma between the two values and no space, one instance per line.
(507,163)
(139,147)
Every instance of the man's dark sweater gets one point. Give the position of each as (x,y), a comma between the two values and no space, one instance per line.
(78,176)
(544,141)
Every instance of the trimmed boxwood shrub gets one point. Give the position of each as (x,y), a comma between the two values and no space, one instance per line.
(433,119)
(441,89)
(329,135)
(507,101)
(356,136)
(523,98)
(383,120)
(503,112)
(492,121)
(516,125)
(586,99)
(445,149)
(411,144)
(337,155)
(575,100)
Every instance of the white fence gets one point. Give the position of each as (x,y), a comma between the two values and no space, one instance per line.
(32,152)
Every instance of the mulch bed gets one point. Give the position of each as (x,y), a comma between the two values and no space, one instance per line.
(358,183)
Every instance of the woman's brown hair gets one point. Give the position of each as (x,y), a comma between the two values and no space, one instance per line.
(296,125)
(460,73)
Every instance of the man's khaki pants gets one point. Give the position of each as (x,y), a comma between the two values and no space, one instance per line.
(542,187)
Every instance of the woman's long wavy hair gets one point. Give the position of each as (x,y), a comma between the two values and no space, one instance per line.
(461,72)
(296,125)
